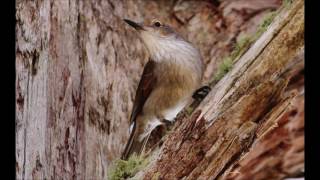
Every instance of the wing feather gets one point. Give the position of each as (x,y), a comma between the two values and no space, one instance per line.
(145,87)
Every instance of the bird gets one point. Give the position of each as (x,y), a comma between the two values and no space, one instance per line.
(172,74)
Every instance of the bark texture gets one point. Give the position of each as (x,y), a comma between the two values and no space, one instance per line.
(78,66)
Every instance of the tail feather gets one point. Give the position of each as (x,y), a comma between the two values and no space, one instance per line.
(133,144)
(126,151)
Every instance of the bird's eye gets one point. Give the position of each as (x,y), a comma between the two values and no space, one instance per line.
(157,24)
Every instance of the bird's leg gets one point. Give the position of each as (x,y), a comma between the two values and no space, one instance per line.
(150,127)
(155,139)
(168,124)
(201,93)
(145,143)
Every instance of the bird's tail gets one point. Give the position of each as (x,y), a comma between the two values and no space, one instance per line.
(133,144)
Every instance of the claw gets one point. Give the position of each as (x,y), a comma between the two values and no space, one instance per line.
(167,122)
(201,93)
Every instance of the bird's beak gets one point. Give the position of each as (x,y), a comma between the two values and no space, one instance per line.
(135,25)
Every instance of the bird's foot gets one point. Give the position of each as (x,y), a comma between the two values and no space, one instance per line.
(167,122)
(201,93)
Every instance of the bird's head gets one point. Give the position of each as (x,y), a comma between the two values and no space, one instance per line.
(153,28)
(162,41)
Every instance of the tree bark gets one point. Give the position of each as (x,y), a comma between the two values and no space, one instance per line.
(78,66)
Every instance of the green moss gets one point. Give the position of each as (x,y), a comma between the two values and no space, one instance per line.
(122,169)
(265,24)
(223,68)
(156,176)
(286,3)
(189,110)
(242,45)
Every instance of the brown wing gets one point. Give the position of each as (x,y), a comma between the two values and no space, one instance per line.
(145,87)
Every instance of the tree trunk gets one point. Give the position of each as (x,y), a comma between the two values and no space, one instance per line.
(78,66)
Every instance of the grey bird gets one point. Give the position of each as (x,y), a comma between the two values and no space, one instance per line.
(169,79)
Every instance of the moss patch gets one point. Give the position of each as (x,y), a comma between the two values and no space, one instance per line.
(223,68)
(286,3)
(156,176)
(241,46)
(122,169)
(266,23)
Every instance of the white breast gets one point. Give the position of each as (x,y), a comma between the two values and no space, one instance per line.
(171,113)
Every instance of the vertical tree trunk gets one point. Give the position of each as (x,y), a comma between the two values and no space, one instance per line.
(78,65)
(75,79)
